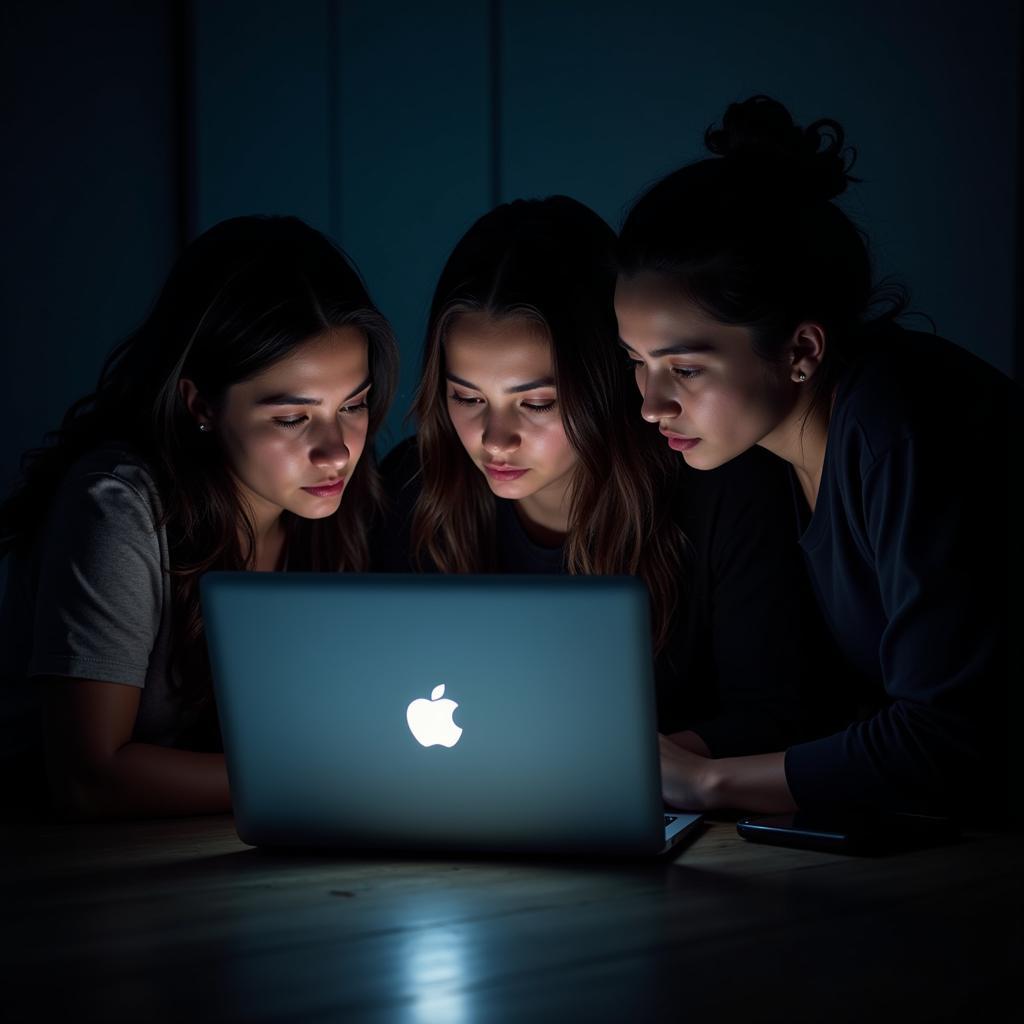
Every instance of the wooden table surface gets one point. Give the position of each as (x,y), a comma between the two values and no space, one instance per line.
(180,921)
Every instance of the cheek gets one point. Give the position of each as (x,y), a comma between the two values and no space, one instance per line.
(550,443)
(274,458)
(355,438)
(260,452)
(466,426)
(736,412)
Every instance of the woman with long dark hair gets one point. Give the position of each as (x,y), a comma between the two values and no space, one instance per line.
(530,457)
(222,435)
(745,302)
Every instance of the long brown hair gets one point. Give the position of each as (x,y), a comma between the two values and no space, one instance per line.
(242,296)
(550,261)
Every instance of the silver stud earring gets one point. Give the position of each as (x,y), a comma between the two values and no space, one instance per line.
(203,428)
(801,376)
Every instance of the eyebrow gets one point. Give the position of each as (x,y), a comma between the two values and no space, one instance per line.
(541,382)
(678,349)
(286,399)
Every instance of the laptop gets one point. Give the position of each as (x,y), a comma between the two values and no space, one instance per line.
(499,714)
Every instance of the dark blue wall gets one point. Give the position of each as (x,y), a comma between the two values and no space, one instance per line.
(89,196)
(392,126)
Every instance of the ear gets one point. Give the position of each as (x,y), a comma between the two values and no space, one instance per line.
(197,406)
(806,351)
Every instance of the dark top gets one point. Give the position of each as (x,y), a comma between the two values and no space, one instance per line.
(909,550)
(744,660)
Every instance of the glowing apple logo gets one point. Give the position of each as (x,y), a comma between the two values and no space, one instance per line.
(430,721)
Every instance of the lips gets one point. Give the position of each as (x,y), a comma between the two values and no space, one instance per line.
(326,490)
(503,473)
(679,443)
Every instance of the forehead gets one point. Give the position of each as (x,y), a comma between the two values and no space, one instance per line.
(654,311)
(497,349)
(337,356)
(659,300)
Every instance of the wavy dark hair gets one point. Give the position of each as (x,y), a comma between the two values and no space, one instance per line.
(550,261)
(753,237)
(242,296)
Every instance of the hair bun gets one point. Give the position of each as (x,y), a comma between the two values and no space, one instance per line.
(760,135)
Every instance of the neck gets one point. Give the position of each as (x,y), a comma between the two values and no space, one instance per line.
(269,544)
(268,533)
(545,515)
(801,439)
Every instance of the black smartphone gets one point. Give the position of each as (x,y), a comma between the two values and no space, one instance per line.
(849,833)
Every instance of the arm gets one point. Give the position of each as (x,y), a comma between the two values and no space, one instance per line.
(99,637)
(689,740)
(695,783)
(96,771)
(934,521)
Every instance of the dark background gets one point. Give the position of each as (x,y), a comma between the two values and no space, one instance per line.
(130,127)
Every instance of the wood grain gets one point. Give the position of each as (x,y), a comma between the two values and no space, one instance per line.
(179,920)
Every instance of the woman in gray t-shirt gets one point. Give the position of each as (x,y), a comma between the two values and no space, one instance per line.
(222,435)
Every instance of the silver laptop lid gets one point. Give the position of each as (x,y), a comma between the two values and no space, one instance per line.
(425,711)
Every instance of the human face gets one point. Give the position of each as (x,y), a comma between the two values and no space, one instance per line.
(702,382)
(294,433)
(503,404)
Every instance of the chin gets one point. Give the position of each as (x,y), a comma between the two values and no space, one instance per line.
(512,490)
(322,511)
(697,459)
(324,515)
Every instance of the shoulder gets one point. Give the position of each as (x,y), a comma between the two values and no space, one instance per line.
(906,385)
(112,480)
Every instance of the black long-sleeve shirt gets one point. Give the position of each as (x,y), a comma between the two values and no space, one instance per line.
(747,653)
(910,549)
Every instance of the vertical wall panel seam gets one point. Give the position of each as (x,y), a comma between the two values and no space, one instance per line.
(186,178)
(1018,277)
(496,100)
(333,116)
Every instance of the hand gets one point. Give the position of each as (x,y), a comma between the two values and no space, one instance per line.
(689,740)
(684,776)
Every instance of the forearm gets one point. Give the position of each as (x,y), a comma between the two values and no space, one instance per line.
(753,783)
(144,780)
(689,740)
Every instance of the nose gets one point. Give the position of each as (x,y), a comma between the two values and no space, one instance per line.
(330,452)
(501,435)
(660,399)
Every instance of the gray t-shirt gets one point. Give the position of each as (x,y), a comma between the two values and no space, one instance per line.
(91,600)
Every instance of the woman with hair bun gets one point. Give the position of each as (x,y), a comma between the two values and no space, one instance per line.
(223,434)
(745,303)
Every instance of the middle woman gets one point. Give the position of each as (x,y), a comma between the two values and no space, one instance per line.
(530,457)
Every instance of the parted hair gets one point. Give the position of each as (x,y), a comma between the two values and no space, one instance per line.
(550,261)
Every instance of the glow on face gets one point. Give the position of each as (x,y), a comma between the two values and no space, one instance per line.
(504,406)
(294,433)
(710,394)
